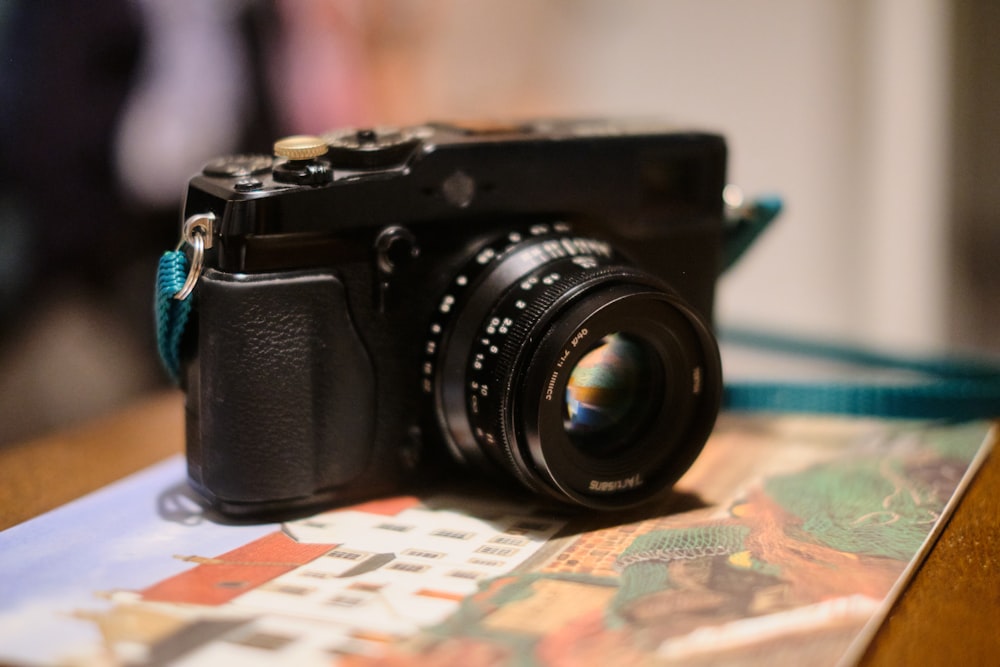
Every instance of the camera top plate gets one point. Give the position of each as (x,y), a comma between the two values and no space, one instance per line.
(635,176)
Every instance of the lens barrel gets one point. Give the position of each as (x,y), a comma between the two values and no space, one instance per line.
(586,378)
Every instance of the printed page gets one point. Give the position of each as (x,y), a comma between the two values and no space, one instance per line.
(786,542)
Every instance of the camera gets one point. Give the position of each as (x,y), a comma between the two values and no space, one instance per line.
(380,307)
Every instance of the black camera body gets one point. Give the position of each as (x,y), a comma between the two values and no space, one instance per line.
(531,300)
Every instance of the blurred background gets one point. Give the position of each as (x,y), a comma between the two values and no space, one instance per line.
(875,120)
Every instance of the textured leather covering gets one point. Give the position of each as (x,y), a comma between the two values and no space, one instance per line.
(287,389)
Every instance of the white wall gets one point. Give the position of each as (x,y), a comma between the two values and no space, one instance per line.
(841,107)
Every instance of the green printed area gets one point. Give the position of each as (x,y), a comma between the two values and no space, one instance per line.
(863,507)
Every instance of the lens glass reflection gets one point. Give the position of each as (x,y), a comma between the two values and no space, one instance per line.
(608,392)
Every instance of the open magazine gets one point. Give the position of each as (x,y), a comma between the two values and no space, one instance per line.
(786,542)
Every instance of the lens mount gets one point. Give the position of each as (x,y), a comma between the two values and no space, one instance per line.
(587,379)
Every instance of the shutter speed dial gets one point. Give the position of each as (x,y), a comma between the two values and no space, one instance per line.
(372,148)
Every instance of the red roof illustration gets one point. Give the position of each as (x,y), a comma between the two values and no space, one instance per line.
(218,580)
(386,506)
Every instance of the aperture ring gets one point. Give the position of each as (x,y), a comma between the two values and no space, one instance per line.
(493,270)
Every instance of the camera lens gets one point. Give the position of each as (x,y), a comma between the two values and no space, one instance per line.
(585,378)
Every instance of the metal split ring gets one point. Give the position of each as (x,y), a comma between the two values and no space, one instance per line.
(197,233)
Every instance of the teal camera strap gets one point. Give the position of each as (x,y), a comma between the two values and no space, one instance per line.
(171,313)
(933,388)
(946,388)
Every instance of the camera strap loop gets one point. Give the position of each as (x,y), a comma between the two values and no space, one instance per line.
(948,389)
(175,281)
(171,313)
(746,220)
(197,263)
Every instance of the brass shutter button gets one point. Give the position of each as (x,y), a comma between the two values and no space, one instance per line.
(302,165)
(300,147)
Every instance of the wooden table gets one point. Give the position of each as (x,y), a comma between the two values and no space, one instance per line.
(949,615)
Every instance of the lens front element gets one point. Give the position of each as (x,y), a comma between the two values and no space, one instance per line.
(610,392)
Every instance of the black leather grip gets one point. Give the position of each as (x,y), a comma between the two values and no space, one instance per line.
(283,402)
